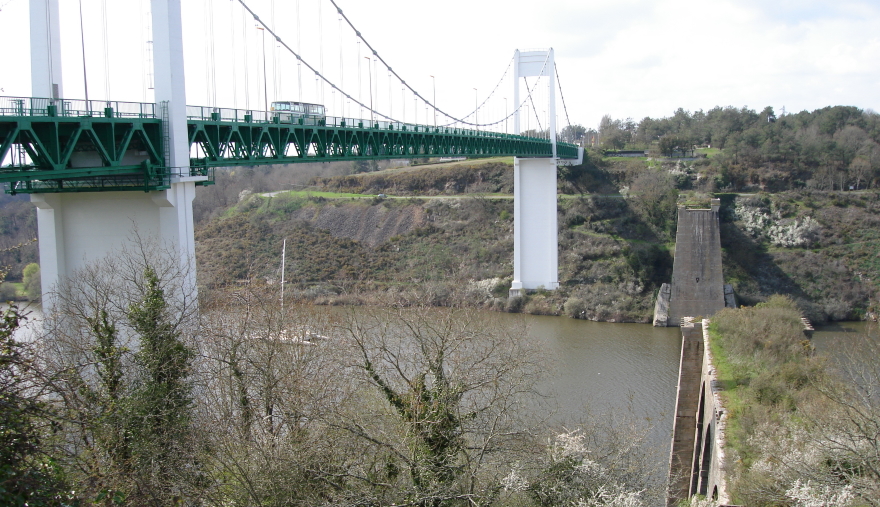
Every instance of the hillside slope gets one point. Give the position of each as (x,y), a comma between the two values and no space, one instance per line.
(614,251)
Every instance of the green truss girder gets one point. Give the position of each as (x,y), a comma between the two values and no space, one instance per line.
(52,144)
(112,144)
(227,143)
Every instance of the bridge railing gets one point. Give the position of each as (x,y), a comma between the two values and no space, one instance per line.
(207,113)
(38,106)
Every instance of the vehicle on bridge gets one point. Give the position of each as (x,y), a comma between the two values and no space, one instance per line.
(288,111)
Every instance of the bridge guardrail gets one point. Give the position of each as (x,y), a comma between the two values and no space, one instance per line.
(208,113)
(75,108)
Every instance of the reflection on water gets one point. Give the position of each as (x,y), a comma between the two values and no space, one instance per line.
(843,343)
(834,337)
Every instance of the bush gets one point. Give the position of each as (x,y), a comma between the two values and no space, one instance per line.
(515,304)
(7,292)
(575,308)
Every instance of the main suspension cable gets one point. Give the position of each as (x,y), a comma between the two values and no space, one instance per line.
(415,92)
(299,58)
(561,96)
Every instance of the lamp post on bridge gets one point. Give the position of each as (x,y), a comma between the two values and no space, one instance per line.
(505,115)
(434,84)
(370,72)
(265,86)
(476,111)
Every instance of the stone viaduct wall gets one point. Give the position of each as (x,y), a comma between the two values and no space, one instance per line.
(696,462)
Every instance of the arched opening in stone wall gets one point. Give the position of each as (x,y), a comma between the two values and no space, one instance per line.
(706,461)
(695,462)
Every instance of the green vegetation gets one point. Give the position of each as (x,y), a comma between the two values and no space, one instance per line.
(797,428)
(306,194)
(288,405)
(833,148)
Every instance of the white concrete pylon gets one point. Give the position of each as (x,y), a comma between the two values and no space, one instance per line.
(76,229)
(535,240)
(45,49)
(170,91)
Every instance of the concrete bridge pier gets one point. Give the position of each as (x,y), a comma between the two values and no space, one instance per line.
(81,228)
(535,242)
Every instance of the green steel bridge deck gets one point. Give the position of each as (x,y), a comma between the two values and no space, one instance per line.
(62,145)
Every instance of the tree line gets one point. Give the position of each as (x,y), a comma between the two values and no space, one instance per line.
(833,148)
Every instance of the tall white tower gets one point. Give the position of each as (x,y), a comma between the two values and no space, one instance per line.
(535,238)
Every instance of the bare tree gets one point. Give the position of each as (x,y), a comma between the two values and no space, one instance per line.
(442,403)
(266,380)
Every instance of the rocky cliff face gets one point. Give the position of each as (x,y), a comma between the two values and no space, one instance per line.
(370,225)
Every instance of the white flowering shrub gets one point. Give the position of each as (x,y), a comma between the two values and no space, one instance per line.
(796,467)
(754,220)
(807,494)
(794,234)
(574,479)
(514,481)
(785,233)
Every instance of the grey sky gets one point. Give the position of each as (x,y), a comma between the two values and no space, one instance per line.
(626,58)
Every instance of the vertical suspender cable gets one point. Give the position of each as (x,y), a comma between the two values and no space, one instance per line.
(299,74)
(247,86)
(274,58)
(234,56)
(82,35)
(320,50)
(106,52)
(206,18)
(211,43)
(54,92)
(144,61)
(341,75)
(360,87)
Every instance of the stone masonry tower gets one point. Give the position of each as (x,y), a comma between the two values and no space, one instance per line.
(697,288)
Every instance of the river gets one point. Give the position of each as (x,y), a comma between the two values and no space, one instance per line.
(604,368)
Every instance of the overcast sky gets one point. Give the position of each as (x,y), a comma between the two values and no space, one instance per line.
(625,58)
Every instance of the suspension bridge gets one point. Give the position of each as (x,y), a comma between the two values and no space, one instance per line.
(99,169)
(78,146)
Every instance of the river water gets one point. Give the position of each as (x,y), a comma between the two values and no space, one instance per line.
(621,370)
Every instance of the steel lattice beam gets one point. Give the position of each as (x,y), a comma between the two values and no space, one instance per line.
(120,146)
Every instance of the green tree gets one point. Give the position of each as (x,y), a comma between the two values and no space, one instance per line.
(365,166)
(161,404)
(31,278)
(573,133)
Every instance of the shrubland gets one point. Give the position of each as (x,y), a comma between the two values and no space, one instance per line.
(801,427)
